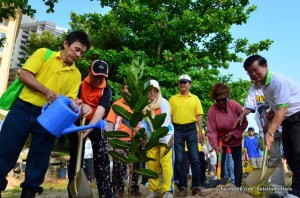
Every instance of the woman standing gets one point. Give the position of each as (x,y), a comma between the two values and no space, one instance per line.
(164,160)
(220,120)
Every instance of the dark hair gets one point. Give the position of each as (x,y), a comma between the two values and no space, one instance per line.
(249,61)
(78,35)
(219,89)
(123,85)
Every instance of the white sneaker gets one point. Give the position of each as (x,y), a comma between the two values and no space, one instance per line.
(153,195)
(214,178)
(168,195)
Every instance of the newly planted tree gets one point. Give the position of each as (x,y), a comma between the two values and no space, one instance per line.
(137,100)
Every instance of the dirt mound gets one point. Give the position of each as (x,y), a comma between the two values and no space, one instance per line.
(226,191)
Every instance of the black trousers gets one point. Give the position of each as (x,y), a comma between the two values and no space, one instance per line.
(236,152)
(291,148)
(101,161)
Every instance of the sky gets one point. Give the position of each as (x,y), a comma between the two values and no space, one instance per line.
(273,19)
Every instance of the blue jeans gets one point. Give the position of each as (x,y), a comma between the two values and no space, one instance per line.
(19,122)
(187,135)
(229,168)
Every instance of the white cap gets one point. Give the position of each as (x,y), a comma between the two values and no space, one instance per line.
(155,84)
(185,77)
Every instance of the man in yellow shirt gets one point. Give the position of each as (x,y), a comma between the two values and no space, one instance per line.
(186,112)
(44,80)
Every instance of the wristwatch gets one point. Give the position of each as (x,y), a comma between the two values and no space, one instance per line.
(271,134)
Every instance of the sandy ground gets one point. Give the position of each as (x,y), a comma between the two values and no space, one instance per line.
(56,188)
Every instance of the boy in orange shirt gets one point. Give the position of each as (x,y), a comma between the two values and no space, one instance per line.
(119,173)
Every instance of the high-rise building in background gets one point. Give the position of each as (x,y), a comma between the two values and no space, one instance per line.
(28,26)
(17,31)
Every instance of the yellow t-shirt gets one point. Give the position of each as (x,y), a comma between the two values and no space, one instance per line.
(52,74)
(185,109)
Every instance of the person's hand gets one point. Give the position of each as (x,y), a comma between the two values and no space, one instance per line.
(270,115)
(86,132)
(246,157)
(50,96)
(227,137)
(269,140)
(218,150)
(238,121)
(86,109)
(201,137)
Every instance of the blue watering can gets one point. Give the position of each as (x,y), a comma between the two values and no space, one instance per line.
(58,118)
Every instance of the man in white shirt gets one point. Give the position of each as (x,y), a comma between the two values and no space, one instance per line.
(282,95)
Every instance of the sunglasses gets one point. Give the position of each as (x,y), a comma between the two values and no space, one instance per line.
(183,82)
(221,100)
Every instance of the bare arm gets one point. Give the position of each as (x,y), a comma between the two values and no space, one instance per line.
(240,119)
(246,154)
(274,125)
(199,122)
(99,113)
(30,81)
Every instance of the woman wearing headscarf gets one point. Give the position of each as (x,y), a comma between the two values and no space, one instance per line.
(164,160)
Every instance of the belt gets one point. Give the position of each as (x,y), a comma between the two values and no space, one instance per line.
(184,125)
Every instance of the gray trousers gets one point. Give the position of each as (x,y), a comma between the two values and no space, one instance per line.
(277,179)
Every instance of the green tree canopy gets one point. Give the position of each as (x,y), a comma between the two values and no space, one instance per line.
(172,37)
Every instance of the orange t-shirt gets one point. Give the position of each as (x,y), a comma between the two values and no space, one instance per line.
(91,95)
(117,120)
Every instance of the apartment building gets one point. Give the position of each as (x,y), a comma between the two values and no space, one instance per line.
(28,26)
(9,30)
(17,33)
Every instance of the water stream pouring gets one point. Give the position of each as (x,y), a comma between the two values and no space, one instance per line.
(58,118)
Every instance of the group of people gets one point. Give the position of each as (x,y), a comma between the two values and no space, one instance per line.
(45,81)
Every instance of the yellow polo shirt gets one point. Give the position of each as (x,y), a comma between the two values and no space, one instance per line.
(52,74)
(184,109)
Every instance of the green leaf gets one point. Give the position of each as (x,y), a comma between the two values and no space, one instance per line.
(145,158)
(147,173)
(119,144)
(135,143)
(120,111)
(133,158)
(127,100)
(159,120)
(151,143)
(135,97)
(147,87)
(119,157)
(136,118)
(160,132)
(116,134)
(140,105)
(140,134)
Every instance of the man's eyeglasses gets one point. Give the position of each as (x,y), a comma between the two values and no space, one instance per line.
(221,100)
